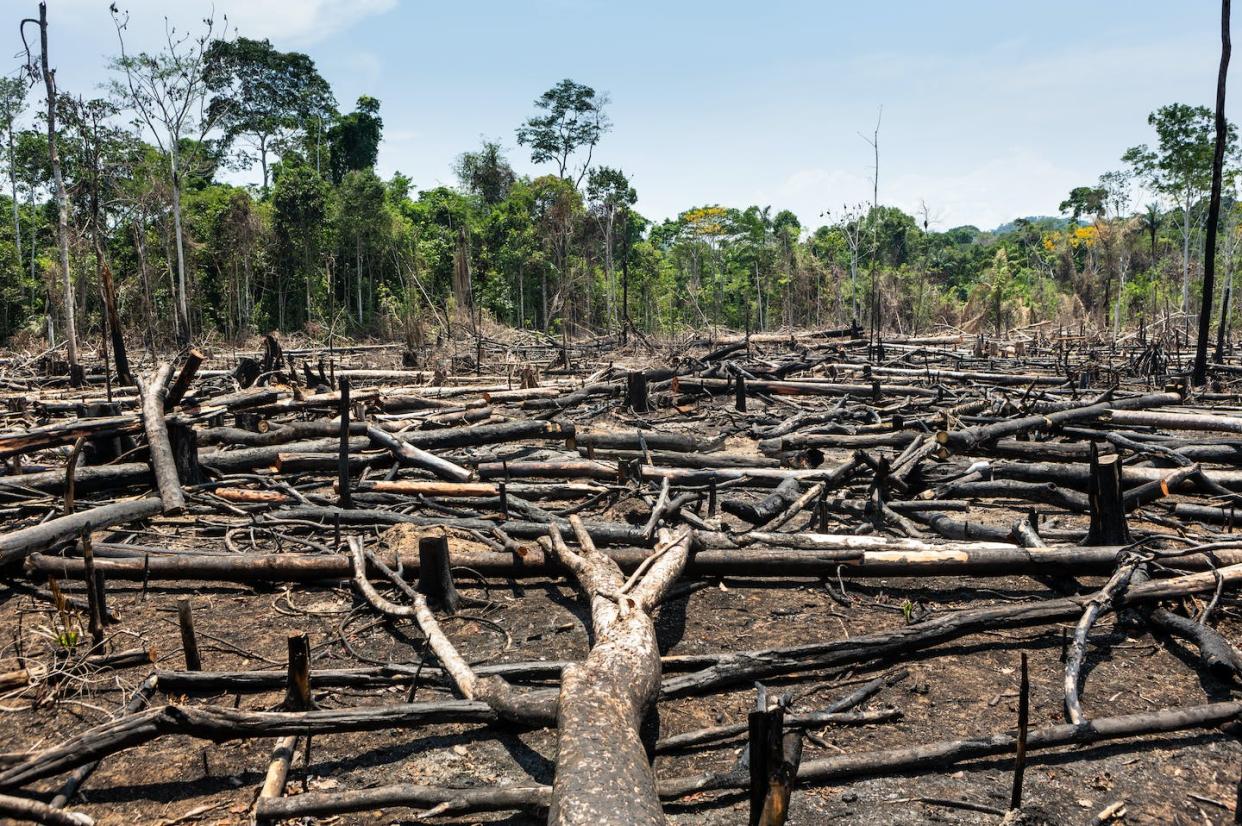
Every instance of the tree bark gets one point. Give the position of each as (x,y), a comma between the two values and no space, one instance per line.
(603,775)
(62,205)
(1199,373)
(163,463)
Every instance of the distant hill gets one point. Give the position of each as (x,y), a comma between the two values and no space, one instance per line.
(1048,221)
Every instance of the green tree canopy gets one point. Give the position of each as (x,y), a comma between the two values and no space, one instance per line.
(485,173)
(573,119)
(355,139)
(264,94)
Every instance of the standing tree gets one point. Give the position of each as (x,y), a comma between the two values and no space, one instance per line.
(610,195)
(263,94)
(1116,226)
(574,119)
(485,173)
(62,199)
(1181,167)
(557,207)
(1084,200)
(1199,373)
(12,102)
(355,139)
(1233,240)
(853,223)
(300,199)
(101,153)
(169,92)
(1150,221)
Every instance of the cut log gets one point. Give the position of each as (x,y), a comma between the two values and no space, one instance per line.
(967,438)
(163,464)
(18,544)
(950,559)
(412,456)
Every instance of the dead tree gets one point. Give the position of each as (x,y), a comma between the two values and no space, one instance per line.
(603,776)
(163,461)
(62,197)
(1199,374)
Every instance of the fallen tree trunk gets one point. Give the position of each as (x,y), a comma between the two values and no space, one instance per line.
(18,544)
(410,455)
(22,808)
(729,670)
(603,775)
(949,752)
(967,438)
(973,559)
(884,762)
(160,451)
(486,434)
(223,724)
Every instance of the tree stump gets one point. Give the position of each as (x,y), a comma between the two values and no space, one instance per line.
(1108,514)
(435,576)
(297,689)
(636,392)
(184,443)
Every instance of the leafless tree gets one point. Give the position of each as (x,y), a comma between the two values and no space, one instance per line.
(62,199)
(168,92)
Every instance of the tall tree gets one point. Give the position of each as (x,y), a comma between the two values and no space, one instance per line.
(485,173)
(62,199)
(264,95)
(100,149)
(1180,168)
(169,92)
(355,139)
(1199,373)
(12,102)
(557,208)
(573,119)
(610,195)
(300,201)
(1084,200)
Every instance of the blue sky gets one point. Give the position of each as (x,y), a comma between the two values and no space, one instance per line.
(991,110)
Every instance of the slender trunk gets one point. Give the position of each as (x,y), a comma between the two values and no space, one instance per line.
(609,273)
(182,300)
(1199,374)
(263,159)
(17,221)
(62,199)
(1186,257)
(1222,331)
(169,255)
(625,271)
(758,299)
(147,311)
(34,234)
(1121,291)
(521,296)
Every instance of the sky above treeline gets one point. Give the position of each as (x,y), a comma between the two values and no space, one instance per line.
(991,110)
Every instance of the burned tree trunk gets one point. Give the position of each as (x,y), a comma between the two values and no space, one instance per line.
(1108,515)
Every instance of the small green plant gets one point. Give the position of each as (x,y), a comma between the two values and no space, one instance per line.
(66,627)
